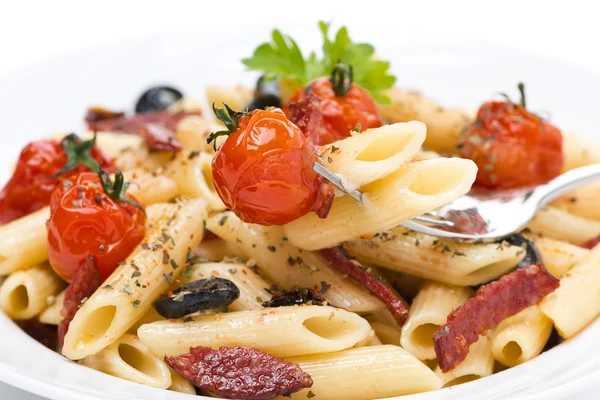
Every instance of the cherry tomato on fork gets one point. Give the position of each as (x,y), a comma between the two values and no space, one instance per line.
(343,105)
(263,172)
(91,215)
(511,146)
(41,167)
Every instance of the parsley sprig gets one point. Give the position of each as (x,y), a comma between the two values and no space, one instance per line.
(281,58)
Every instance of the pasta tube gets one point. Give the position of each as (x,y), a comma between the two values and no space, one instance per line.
(478,364)
(129,292)
(410,191)
(365,373)
(521,337)
(375,153)
(576,302)
(128,358)
(281,331)
(52,315)
(561,225)
(558,256)
(24,294)
(425,256)
(428,312)
(444,125)
(581,202)
(289,266)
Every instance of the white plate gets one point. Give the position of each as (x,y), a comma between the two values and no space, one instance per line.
(53,96)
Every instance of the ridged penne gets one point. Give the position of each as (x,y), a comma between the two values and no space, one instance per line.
(375,153)
(428,312)
(561,225)
(289,266)
(431,258)
(576,302)
(128,358)
(25,293)
(444,125)
(281,331)
(253,288)
(365,373)
(478,364)
(410,191)
(521,337)
(129,292)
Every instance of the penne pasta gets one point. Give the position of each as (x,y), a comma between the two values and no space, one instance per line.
(289,266)
(192,172)
(561,225)
(128,293)
(253,288)
(25,294)
(180,385)
(579,151)
(428,312)
(410,191)
(478,364)
(521,337)
(216,249)
(52,315)
(192,132)
(23,242)
(444,125)
(237,97)
(427,257)
(365,373)
(576,302)
(581,201)
(128,358)
(375,153)
(282,331)
(386,334)
(558,256)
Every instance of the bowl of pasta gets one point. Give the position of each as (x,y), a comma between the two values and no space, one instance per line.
(168,231)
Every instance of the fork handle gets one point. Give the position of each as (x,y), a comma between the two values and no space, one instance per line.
(566,182)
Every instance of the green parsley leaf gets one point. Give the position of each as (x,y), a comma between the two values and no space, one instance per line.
(281,58)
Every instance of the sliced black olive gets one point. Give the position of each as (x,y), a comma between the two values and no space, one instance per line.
(204,294)
(157,98)
(532,254)
(296,297)
(266,95)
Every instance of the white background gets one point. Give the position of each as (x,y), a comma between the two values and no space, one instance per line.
(31,31)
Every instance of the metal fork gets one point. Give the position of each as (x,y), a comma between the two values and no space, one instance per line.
(487,216)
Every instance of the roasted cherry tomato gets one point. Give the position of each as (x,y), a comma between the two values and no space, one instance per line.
(41,167)
(263,172)
(341,107)
(93,216)
(511,146)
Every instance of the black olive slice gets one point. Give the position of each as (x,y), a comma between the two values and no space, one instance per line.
(296,297)
(157,98)
(266,95)
(532,254)
(203,294)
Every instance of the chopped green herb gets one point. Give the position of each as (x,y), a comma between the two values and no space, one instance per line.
(127,289)
(136,303)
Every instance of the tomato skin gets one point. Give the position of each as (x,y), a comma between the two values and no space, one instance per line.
(340,115)
(512,147)
(32,182)
(263,172)
(84,221)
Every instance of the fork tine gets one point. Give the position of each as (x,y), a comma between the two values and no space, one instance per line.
(337,181)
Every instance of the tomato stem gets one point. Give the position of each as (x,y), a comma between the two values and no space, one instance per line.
(78,152)
(341,79)
(117,190)
(230,118)
(521,87)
